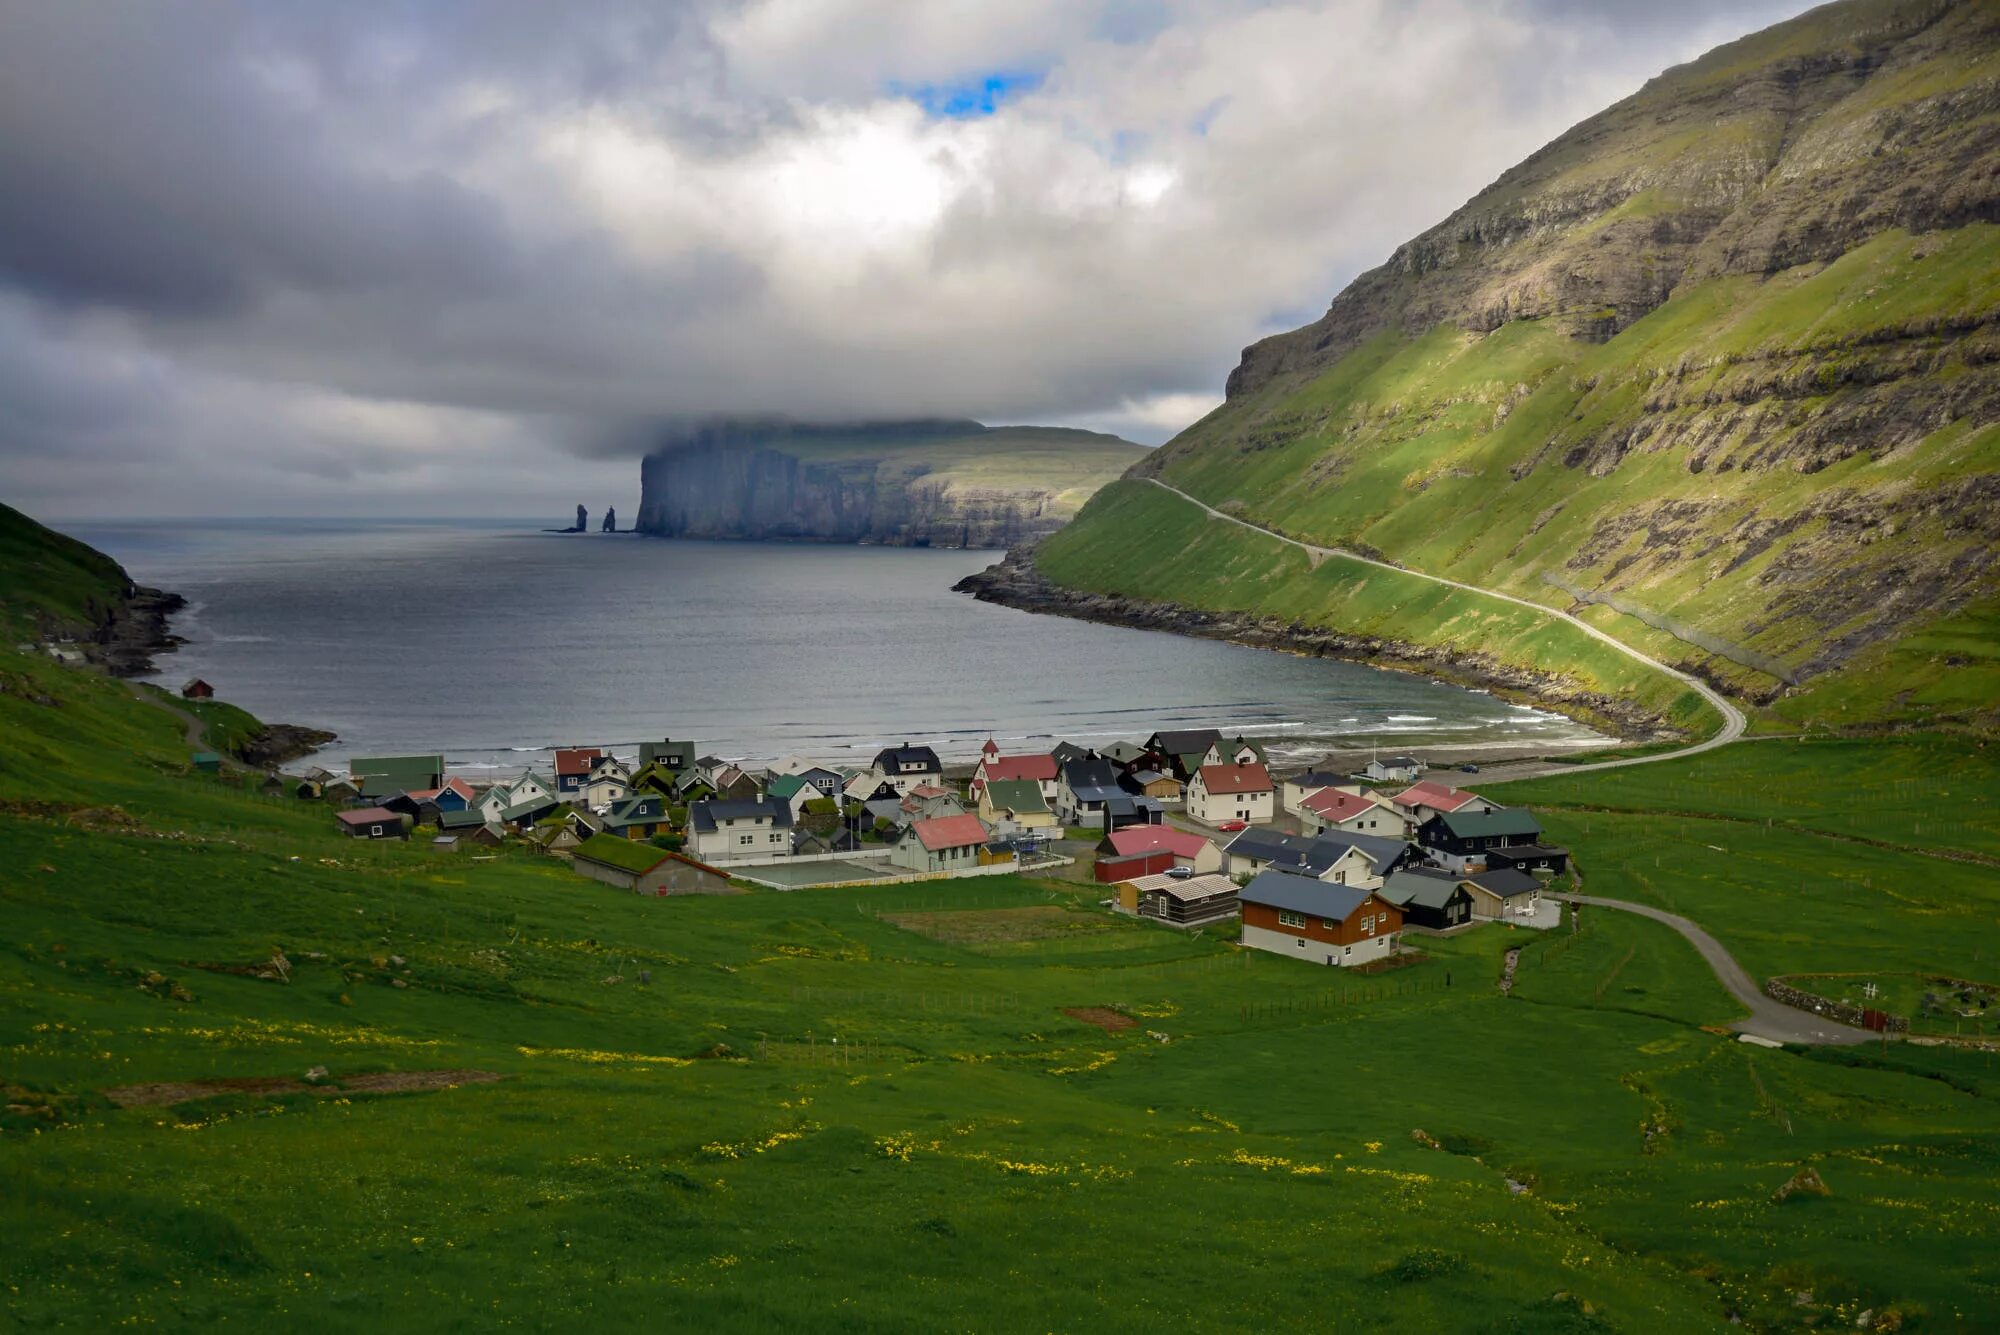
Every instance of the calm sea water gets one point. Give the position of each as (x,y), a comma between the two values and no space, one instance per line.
(492,642)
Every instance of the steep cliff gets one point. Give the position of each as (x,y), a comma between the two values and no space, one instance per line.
(1721,363)
(921,483)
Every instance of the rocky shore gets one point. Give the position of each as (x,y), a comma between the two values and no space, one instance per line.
(1014,582)
(129,632)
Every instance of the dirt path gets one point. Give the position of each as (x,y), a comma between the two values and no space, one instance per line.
(1768,1019)
(1733,722)
(192,728)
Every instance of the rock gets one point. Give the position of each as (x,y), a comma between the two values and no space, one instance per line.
(315,1075)
(1805,1183)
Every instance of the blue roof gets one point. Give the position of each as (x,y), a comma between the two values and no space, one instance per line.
(1303,894)
(704,815)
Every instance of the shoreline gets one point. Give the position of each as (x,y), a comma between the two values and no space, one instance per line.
(1014,582)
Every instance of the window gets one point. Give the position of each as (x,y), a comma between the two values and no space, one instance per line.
(1332,925)
(1347,950)
(374,830)
(1368,925)
(746,838)
(1287,918)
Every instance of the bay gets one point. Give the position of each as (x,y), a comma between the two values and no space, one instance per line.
(493,642)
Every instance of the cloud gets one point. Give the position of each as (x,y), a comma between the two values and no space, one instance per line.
(422,249)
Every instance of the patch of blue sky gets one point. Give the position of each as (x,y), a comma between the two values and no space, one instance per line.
(973,97)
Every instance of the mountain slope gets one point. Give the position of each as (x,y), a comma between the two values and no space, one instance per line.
(1722,361)
(912,483)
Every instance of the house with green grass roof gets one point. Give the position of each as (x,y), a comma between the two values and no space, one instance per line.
(645,869)
(794,790)
(675,757)
(640,816)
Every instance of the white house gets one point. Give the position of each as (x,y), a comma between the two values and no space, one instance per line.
(609,782)
(1419,802)
(737,831)
(1396,769)
(1301,786)
(1350,813)
(949,843)
(1220,793)
(906,767)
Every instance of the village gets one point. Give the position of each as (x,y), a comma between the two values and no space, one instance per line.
(1187,828)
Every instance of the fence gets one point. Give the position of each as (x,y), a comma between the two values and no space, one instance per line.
(1859,1016)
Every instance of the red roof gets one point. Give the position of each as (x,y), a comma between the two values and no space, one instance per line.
(367,816)
(950,832)
(1039,768)
(1337,806)
(461,787)
(1437,796)
(1136,839)
(577,759)
(929,790)
(1227,779)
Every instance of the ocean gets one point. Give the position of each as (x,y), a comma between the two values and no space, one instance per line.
(493,642)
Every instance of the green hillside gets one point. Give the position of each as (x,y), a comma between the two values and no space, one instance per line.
(548,1103)
(1719,364)
(52,581)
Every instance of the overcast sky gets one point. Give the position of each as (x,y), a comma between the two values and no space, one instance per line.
(462,258)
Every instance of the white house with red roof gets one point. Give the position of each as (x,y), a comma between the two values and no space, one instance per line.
(947,843)
(994,768)
(1220,793)
(1188,849)
(1419,802)
(1350,813)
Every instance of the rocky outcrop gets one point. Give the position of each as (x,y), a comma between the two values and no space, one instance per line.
(125,634)
(917,484)
(1015,582)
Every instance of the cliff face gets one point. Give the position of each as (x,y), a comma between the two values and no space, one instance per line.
(941,484)
(1725,358)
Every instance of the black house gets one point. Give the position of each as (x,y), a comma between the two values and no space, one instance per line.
(909,766)
(1459,839)
(1428,898)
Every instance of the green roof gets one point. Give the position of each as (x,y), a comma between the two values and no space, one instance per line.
(378,775)
(205,758)
(1507,820)
(1016,795)
(785,786)
(624,854)
(466,819)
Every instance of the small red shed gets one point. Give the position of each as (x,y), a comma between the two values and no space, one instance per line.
(1115,869)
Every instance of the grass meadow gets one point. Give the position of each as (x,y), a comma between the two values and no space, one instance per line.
(677,1137)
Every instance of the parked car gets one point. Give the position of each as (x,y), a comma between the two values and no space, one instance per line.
(1232,826)
(1468,769)
(1180,873)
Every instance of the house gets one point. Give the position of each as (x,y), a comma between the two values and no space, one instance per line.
(639,816)
(1185,751)
(1015,806)
(1241,751)
(1349,813)
(707,767)
(1396,769)
(1504,893)
(929,802)
(656,776)
(1088,796)
(197,689)
(1339,925)
(1529,858)
(530,812)
(827,781)
(573,767)
(1219,793)
(1064,752)
(1354,859)
(734,784)
(1115,867)
(1156,784)
(1186,901)
(1189,850)
(669,754)
(427,804)
(1460,841)
(560,838)
(1041,770)
(907,766)
(309,789)
(1419,802)
(529,787)
(378,776)
(206,762)
(732,830)
(840,839)
(794,791)
(465,822)
(1123,754)
(372,823)
(949,843)
(868,786)
(1301,786)
(644,869)
(1428,898)
(340,790)
(609,781)
(999,853)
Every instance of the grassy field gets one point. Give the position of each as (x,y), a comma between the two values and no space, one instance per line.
(677,1137)
(50,577)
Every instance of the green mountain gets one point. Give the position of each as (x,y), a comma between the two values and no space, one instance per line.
(918,483)
(1718,369)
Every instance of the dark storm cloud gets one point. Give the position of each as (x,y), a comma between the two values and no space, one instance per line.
(249,248)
